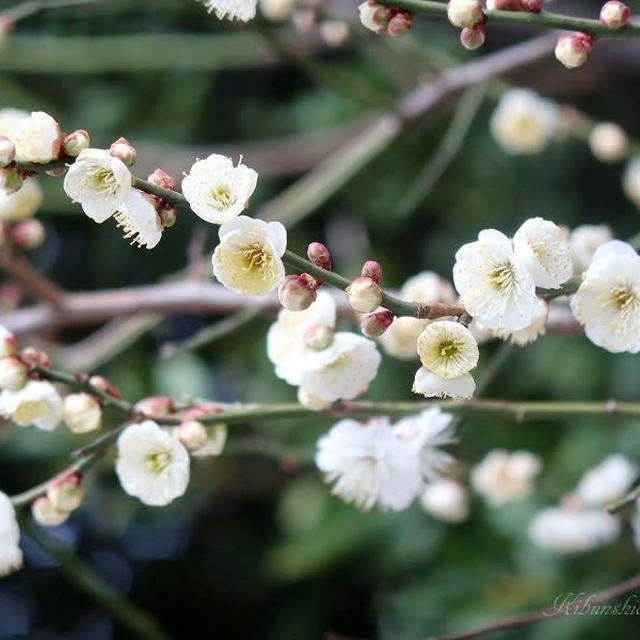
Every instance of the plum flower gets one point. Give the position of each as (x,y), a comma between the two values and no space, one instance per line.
(607,482)
(152,465)
(530,333)
(37,403)
(38,139)
(369,465)
(248,258)
(10,552)
(243,10)
(22,203)
(495,287)
(138,219)
(608,300)
(431,385)
(583,242)
(216,190)
(448,349)
(446,500)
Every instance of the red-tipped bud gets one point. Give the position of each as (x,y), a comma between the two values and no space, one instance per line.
(10,180)
(531,6)
(13,373)
(168,216)
(375,324)
(7,151)
(399,25)
(472,38)
(155,406)
(319,336)
(464,13)
(319,255)
(28,234)
(573,50)
(193,435)
(65,491)
(161,178)
(372,269)
(374,16)
(297,292)
(102,384)
(124,150)
(76,142)
(364,295)
(35,357)
(614,14)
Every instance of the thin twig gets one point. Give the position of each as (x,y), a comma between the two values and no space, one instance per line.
(20,269)
(627,499)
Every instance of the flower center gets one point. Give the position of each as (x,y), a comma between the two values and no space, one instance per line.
(28,411)
(623,297)
(103,180)
(448,349)
(157,461)
(222,197)
(256,257)
(502,277)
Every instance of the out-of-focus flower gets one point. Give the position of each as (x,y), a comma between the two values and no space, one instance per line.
(13,373)
(607,482)
(446,500)
(37,403)
(431,385)
(608,142)
(583,242)
(243,10)
(10,121)
(21,204)
(10,552)
(374,16)
(38,139)
(82,412)
(65,492)
(631,180)
(8,343)
(46,513)
(277,10)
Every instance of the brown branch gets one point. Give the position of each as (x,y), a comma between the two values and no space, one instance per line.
(548,613)
(40,286)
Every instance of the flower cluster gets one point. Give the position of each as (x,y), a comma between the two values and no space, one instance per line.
(383,19)
(379,463)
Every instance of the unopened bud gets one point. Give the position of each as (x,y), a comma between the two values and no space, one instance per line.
(38,139)
(28,234)
(364,295)
(334,32)
(502,5)
(193,435)
(102,384)
(65,491)
(45,513)
(161,178)
(8,343)
(124,150)
(375,324)
(168,217)
(76,142)
(297,292)
(472,38)
(82,412)
(464,13)
(614,14)
(304,19)
(608,142)
(531,6)
(573,50)
(13,374)
(372,269)
(399,25)
(155,406)
(277,10)
(319,255)
(35,357)
(374,16)
(10,180)
(311,401)
(319,336)
(7,151)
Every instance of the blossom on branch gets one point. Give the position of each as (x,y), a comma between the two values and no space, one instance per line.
(10,552)
(607,482)
(448,349)
(21,204)
(431,385)
(37,403)
(38,139)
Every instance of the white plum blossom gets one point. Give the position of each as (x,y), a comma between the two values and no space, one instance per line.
(494,286)
(541,246)
(215,442)
(99,182)
(532,332)
(631,180)
(464,13)
(10,121)
(608,142)
(82,412)
(37,403)
(22,203)
(373,16)
(152,465)
(243,10)
(277,10)
(343,370)
(286,338)
(38,139)
(218,191)
(583,242)
(607,302)
(607,482)
(523,122)
(431,385)
(10,552)
(504,476)
(425,433)
(573,530)
(446,500)
(448,349)
(369,465)
(138,219)
(249,256)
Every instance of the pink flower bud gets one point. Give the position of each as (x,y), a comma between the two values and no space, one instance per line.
(399,25)
(374,16)
(82,412)
(375,324)
(503,5)
(319,255)
(364,295)
(155,406)
(10,180)
(297,292)
(7,151)
(13,374)
(35,357)
(614,14)
(319,336)
(76,142)
(472,38)
(464,13)
(573,50)
(28,234)
(124,150)
(102,384)
(162,179)
(65,491)
(193,435)
(372,269)
(8,343)
(531,6)
(168,216)
(45,513)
